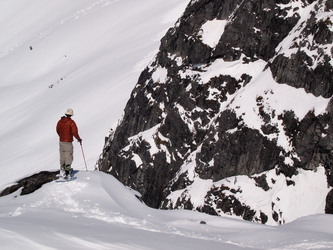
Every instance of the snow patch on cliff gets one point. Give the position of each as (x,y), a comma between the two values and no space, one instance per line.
(211,32)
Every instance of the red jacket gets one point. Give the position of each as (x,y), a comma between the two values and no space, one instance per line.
(66,129)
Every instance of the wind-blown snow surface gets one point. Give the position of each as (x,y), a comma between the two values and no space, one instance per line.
(97,212)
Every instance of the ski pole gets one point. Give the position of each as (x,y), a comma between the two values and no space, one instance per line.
(84,158)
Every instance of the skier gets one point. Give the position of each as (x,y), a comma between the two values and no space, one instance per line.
(66,129)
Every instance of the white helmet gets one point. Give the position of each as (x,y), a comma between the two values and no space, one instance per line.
(69,112)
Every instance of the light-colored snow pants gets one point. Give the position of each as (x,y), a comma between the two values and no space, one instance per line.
(66,153)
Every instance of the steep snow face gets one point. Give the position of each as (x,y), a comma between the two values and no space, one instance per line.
(97,212)
(84,54)
(238,98)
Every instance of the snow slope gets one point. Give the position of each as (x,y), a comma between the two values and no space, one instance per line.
(97,212)
(83,54)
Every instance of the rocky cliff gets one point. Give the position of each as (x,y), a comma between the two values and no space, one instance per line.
(234,112)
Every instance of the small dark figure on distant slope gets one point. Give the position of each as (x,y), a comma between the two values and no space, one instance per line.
(66,129)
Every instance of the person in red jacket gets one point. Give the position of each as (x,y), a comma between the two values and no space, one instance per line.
(67,129)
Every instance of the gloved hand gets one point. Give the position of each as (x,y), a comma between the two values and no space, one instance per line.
(80,141)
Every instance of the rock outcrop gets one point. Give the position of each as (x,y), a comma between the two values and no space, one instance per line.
(31,183)
(239,90)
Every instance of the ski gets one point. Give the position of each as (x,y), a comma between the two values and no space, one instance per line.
(62,177)
(71,178)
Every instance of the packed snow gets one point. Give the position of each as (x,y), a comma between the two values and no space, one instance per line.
(88,55)
(211,32)
(160,75)
(95,211)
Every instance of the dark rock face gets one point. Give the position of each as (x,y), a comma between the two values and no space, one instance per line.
(207,108)
(31,184)
(313,73)
(237,149)
(329,203)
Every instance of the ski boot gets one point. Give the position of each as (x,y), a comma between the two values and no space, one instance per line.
(62,170)
(68,172)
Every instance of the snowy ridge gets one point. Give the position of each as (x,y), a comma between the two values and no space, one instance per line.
(97,212)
